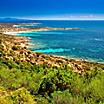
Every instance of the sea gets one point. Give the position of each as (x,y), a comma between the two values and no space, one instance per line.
(86,43)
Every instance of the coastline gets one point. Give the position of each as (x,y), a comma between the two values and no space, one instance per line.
(78,64)
(67,57)
(23,70)
(27,75)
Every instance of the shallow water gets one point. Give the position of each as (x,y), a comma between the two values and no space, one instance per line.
(87,43)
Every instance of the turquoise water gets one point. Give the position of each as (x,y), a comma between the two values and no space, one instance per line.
(87,43)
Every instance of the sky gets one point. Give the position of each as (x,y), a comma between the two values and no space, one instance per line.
(53,9)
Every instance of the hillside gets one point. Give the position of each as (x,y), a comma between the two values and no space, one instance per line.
(27,77)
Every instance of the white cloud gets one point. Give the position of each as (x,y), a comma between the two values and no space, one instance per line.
(67,17)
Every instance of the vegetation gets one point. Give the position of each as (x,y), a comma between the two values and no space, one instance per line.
(25,81)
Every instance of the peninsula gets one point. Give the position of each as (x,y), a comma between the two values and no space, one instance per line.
(12,28)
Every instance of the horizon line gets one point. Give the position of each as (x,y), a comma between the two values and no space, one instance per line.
(58,18)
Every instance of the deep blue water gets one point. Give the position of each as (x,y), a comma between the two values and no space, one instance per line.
(86,43)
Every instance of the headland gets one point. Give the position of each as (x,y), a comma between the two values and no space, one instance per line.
(28,77)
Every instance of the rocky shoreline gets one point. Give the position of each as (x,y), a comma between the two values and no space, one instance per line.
(16,48)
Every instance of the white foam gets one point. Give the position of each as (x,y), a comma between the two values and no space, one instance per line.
(15,32)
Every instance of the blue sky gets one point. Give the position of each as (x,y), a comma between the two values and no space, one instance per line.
(56,9)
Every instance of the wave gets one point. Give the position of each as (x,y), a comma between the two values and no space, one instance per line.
(98,39)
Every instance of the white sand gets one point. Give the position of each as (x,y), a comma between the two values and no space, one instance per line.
(15,32)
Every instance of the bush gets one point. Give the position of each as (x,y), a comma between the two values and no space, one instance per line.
(20,96)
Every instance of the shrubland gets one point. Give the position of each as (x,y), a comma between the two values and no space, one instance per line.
(25,81)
